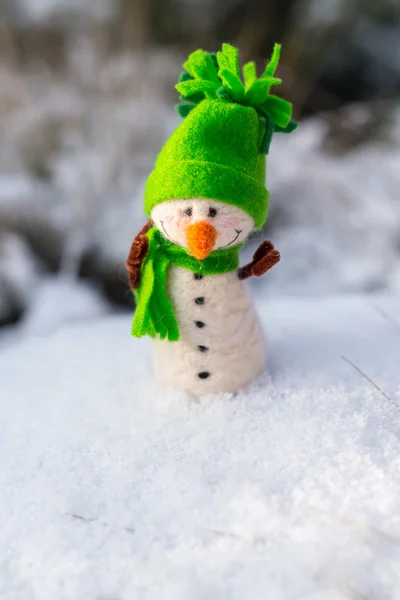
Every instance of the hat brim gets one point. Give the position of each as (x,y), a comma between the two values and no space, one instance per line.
(196,179)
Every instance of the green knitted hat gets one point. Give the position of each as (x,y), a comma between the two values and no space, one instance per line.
(218,152)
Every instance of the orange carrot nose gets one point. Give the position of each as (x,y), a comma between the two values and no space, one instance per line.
(201,237)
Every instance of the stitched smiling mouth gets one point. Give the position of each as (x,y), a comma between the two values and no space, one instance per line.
(165,231)
(238,232)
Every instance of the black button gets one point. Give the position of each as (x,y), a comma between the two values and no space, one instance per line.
(199,300)
(202,348)
(198,276)
(204,375)
(199,324)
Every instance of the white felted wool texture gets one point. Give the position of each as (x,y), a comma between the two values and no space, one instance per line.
(232,334)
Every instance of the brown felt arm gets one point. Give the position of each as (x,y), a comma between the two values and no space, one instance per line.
(264,258)
(137,254)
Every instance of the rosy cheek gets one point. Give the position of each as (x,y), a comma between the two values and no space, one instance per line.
(168,218)
(232,222)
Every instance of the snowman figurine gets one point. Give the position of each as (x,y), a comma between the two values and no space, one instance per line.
(204,197)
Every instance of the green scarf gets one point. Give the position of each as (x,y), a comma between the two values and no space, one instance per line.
(154,313)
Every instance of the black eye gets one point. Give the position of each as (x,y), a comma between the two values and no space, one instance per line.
(212,212)
(189,212)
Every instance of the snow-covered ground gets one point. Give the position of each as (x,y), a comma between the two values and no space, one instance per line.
(113,488)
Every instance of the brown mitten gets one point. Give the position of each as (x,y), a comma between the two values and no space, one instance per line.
(137,254)
(264,258)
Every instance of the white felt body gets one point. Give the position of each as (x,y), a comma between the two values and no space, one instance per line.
(232,334)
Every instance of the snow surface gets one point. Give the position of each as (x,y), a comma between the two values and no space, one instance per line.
(113,488)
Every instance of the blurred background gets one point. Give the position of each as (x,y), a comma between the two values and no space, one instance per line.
(87,99)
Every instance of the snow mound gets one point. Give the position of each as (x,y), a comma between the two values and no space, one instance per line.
(18,276)
(60,300)
(335,221)
(112,487)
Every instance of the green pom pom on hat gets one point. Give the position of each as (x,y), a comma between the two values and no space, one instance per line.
(218,151)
